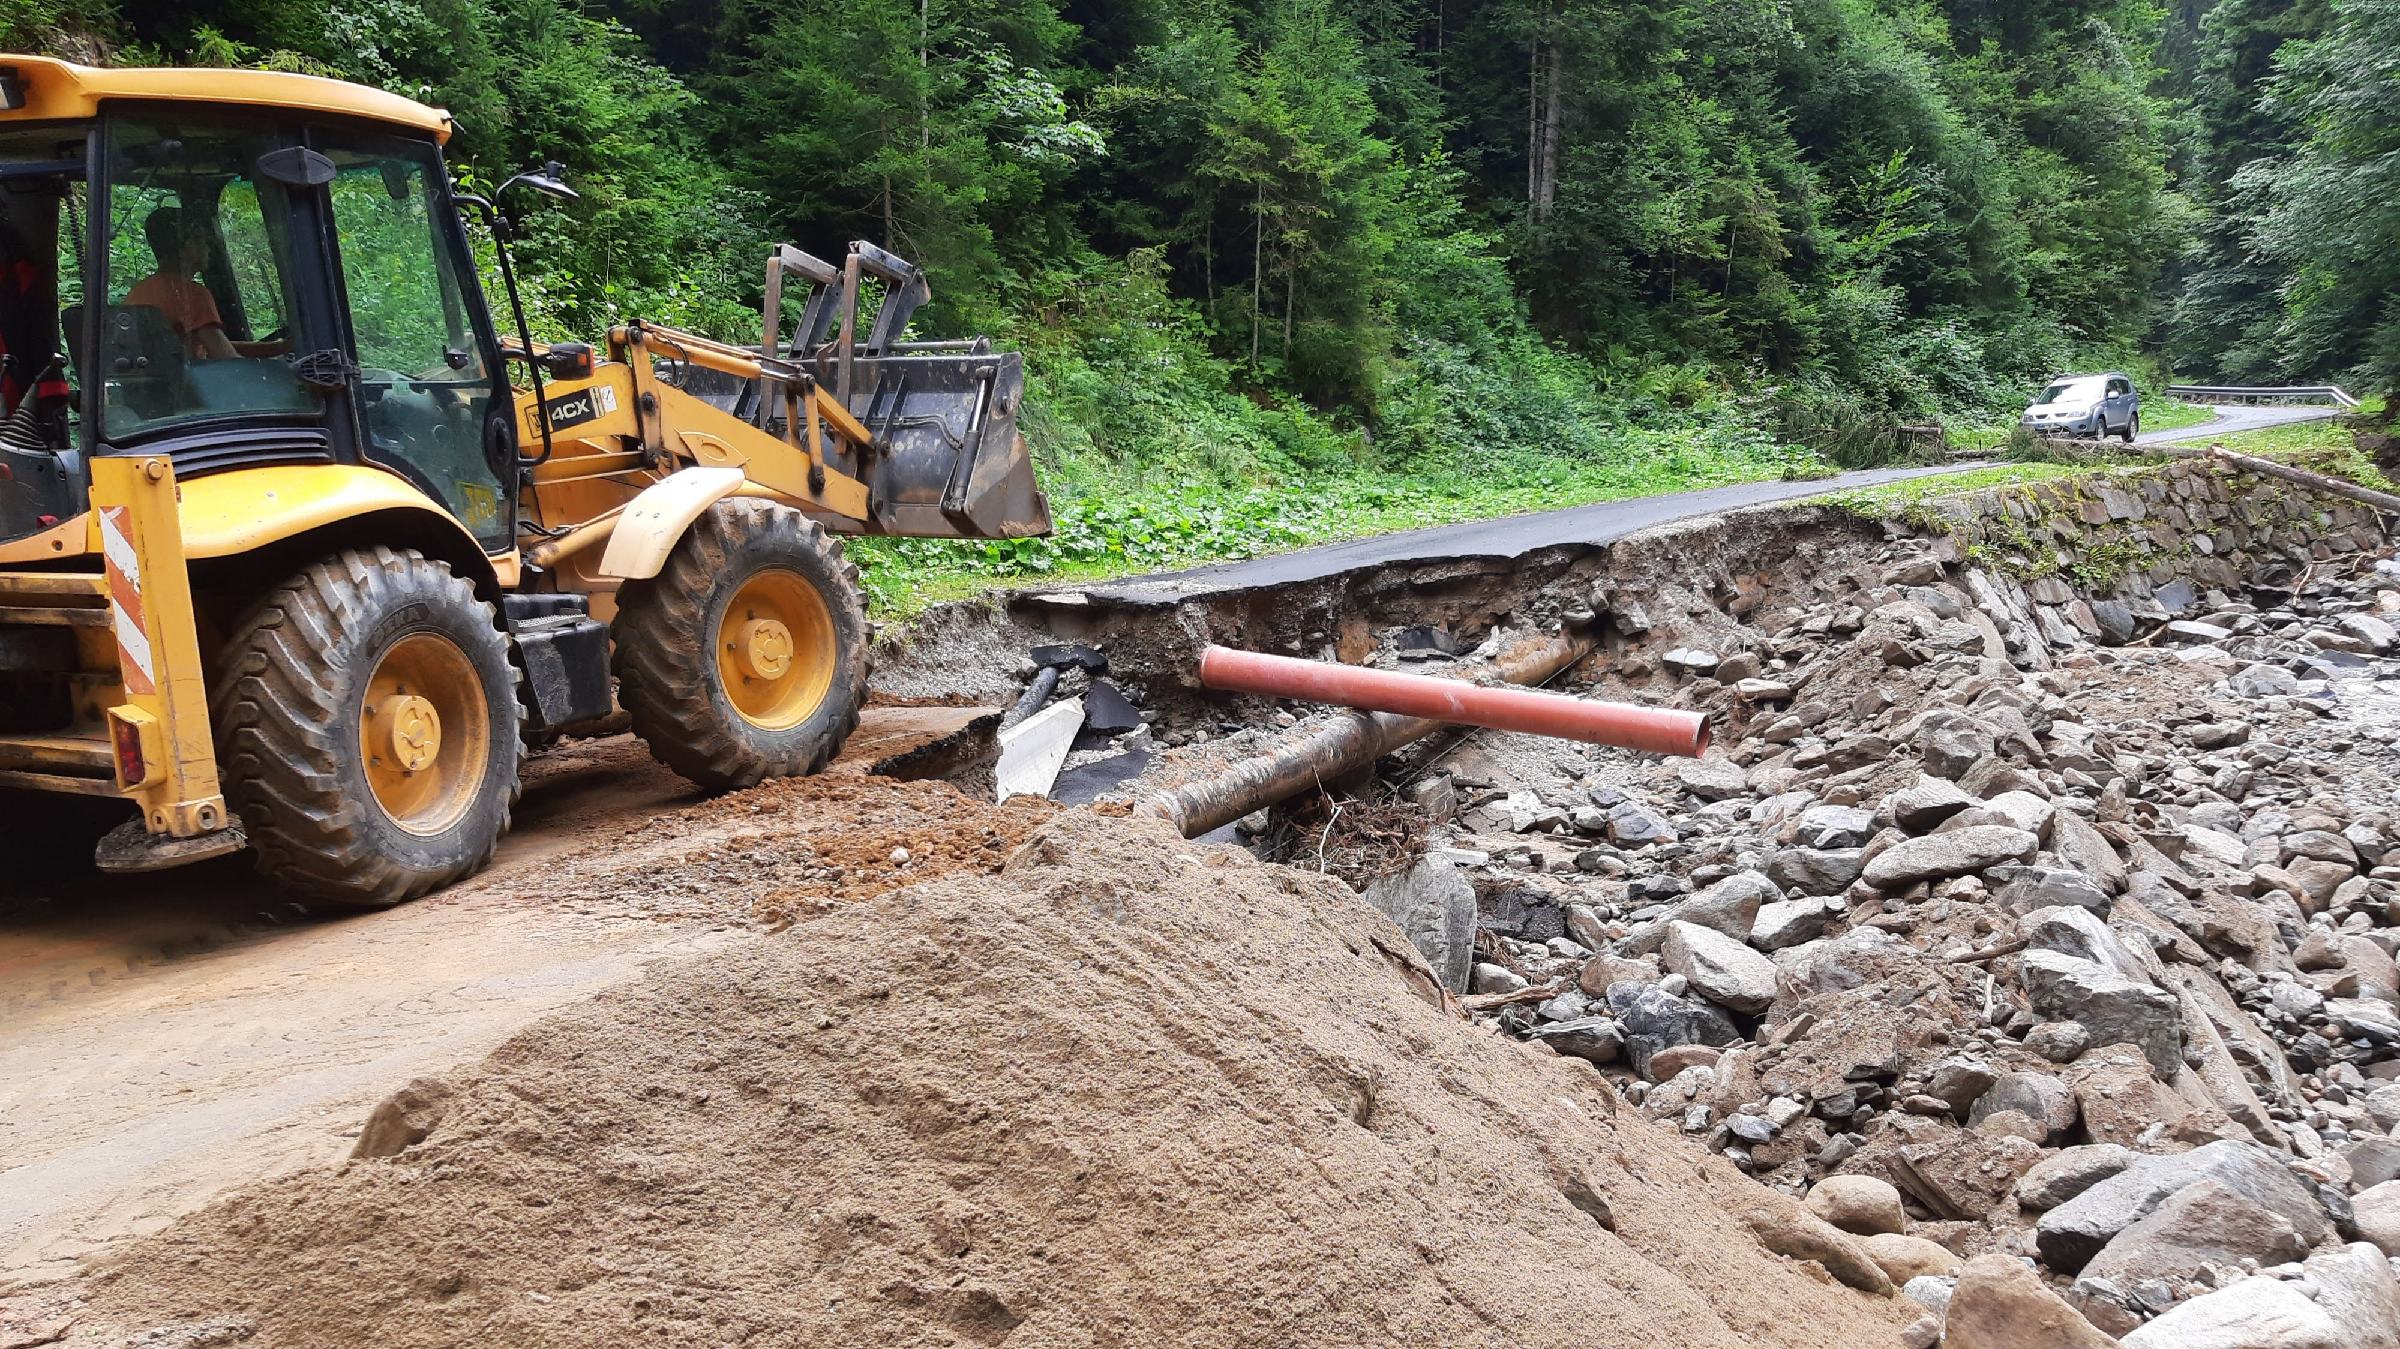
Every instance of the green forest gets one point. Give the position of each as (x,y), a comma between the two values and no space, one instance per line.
(1283,261)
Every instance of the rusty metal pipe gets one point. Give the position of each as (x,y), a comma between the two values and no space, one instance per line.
(1655,730)
(1350,744)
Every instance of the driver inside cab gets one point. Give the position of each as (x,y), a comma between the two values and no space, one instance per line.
(183,249)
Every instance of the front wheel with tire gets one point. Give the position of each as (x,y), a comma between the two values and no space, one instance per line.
(745,657)
(366,716)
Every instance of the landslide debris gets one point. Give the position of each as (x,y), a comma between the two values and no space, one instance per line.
(2074,955)
(1126,1090)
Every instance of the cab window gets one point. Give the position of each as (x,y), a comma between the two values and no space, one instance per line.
(426,383)
(197,285)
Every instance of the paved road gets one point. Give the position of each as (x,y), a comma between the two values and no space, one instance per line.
(1511,536)
(1516,535)
(2231,420)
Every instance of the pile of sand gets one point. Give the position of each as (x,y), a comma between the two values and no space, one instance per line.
(1127,1091)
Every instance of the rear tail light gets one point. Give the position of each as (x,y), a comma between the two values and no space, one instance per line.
(133,736)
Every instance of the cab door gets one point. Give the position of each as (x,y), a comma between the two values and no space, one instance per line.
(432,402)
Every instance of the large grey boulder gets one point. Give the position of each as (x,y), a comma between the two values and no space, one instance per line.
(2039,1097)
(1712,779)
(2073,931)
(1814,871)
(1653,1019)
(2034,888)
(1730,906)
(1435,906)
(2020,808)
(2356,1287)
(2256,1313)
(2069,1235)
(1721,969)
(1834,827)
(1594,1038)
(2376,1213)
(2373,1161)
(2377,634)
(1950,744)
(2080,844)
(2064,1174)
(2204,1225)
(2113,1008)
(1960,852)
(1928,803)
(1792,922)
(2263,681)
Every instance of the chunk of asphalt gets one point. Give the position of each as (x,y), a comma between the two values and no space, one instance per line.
(1106,710)
(1064,655)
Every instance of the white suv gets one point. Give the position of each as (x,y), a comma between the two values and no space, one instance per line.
(2088,406)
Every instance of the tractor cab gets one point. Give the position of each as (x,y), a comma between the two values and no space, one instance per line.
(233,289)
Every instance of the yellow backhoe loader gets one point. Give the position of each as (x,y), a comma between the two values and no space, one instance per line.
(298,549)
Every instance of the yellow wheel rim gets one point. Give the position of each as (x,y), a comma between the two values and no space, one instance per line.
(424,733)
(775,649)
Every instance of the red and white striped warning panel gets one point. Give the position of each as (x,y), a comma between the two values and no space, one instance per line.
(125,601)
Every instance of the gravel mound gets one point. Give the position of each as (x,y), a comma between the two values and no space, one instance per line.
(1125,1091)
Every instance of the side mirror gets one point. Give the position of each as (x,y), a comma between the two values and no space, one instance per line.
(550,180)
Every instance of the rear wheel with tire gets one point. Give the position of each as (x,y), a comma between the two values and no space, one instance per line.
(745,657)
(2133,427)
(366,716)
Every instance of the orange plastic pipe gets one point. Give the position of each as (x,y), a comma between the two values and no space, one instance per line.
(1654,730)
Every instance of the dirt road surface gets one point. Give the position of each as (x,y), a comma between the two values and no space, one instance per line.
(164,1038)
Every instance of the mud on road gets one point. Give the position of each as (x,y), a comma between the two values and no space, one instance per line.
(164,1038)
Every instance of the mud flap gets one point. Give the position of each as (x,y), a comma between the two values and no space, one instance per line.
(131,848)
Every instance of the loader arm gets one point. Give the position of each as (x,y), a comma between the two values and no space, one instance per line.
(866,433)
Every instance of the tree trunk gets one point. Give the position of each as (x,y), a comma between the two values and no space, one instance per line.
(1258,250)
(1545,74)
(1552,113)
(1208,257)
(1533,128)
(1291,272)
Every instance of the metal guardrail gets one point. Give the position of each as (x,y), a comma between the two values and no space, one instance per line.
(2291,393)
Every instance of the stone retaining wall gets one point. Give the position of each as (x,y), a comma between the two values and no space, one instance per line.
(2093,556)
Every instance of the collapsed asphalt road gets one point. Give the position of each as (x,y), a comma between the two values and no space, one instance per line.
(1601,522)
(1509,537)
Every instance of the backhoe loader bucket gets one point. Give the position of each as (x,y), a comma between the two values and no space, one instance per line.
(945,459)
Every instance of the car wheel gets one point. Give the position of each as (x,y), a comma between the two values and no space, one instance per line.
(2133,427)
